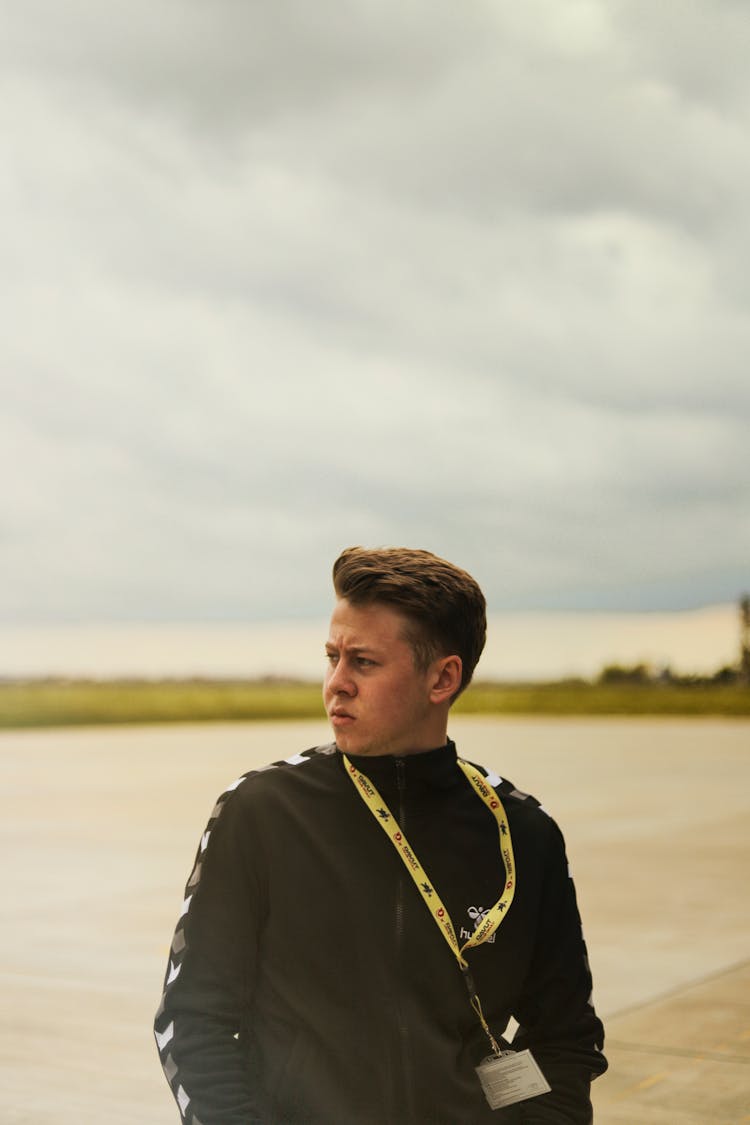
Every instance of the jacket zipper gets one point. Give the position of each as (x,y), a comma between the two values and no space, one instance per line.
(403,1031)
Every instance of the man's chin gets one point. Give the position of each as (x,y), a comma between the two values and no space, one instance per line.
(349,743)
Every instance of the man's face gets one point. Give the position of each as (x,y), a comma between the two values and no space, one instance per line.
(376,699)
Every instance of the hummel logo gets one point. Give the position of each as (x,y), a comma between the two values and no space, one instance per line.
(477,915)
(383,814)
(427,889)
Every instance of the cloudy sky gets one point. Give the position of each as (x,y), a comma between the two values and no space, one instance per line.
(279,278)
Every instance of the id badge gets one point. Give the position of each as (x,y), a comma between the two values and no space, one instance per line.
(511,1077)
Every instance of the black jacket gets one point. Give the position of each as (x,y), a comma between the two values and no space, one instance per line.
(308,983)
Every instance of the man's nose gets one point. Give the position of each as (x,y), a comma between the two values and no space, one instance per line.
(340,681)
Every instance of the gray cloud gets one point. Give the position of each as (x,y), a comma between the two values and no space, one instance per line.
(283,278)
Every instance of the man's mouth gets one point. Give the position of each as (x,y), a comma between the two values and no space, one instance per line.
(340,717)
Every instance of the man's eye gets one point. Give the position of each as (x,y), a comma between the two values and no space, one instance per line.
(331,657)
(363,662)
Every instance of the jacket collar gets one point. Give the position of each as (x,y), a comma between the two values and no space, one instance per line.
(426,768)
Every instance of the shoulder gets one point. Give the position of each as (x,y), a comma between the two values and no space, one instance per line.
(522,809)
(507,791)
(256,788)
(266,780)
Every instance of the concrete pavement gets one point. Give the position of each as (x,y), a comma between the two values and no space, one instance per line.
(684,1058)
(98,830)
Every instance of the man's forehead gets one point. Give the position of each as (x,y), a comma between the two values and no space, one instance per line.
(366,626)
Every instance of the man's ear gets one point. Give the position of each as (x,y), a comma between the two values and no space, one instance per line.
(445,678)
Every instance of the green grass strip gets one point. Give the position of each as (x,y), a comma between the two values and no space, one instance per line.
(55,703)
(580,698)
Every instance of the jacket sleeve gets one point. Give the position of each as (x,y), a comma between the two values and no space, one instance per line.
(556,1017)
(210,972)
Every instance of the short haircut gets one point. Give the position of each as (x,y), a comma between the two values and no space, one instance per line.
(443,604)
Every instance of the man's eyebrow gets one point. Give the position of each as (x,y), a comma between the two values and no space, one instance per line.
(356,649)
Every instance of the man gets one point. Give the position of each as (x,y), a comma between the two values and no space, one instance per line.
(363,919)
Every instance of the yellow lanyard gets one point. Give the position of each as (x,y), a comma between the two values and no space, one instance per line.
(493,918)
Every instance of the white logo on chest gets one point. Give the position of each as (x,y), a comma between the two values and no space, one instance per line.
(477,914)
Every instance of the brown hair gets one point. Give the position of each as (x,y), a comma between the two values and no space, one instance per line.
(444,606)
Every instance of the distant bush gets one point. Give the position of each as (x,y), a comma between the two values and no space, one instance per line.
(616,674)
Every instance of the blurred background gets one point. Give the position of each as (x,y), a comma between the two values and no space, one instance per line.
(283,278)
